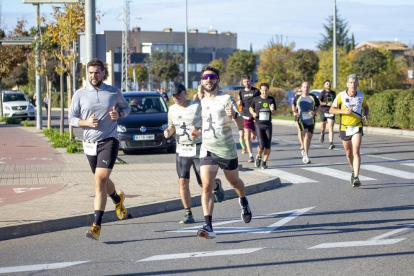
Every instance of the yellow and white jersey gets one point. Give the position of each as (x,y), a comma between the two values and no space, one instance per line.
(343,101)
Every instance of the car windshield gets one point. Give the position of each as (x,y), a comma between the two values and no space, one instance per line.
(147,104)
(14,98)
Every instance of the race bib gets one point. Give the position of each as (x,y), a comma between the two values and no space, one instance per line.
(328,115)
(90,148)
(306,116)
(351,130)
(264,116)
(188,150)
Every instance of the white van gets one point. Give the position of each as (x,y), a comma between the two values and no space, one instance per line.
(16,104)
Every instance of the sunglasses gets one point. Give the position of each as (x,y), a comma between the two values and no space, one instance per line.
(211,76)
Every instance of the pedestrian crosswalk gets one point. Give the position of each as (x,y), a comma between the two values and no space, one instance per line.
(318,171)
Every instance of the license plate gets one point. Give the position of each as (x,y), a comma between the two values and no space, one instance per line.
(144,137)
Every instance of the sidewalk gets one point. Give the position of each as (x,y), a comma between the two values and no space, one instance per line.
(44,189)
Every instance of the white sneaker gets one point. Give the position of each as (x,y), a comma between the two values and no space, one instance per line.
(306,159)
(302,151)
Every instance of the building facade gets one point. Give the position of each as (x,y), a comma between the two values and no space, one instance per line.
(202,49)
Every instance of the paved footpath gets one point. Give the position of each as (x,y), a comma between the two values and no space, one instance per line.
(43,189)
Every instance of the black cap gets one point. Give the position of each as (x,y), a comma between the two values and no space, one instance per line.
(178,88)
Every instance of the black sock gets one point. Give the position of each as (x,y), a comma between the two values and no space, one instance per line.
(115,197)
(98,217)
(208,220)
(244,201)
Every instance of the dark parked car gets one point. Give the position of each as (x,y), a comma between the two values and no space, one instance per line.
(144,127)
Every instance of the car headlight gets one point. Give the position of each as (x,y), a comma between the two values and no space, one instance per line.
(7,107)
(121,128)
(31,106)
(164,126)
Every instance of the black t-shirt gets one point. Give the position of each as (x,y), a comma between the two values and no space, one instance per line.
(326,97)
(262,108)
(246,98)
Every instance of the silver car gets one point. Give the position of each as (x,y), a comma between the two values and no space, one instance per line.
(16,104)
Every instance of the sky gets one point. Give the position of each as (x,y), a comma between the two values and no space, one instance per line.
(255,22)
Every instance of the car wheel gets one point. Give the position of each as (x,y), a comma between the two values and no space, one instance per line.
(127,151)
(172,149)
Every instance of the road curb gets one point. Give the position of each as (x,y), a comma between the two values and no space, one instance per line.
(46,226)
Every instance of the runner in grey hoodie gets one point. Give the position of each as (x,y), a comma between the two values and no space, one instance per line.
(96,109)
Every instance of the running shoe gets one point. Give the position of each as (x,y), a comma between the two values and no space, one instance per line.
(218,193)
(352,177)
(188,218)
(250,160)
(94,232)
(306,159)
(356,182)
(246,213)
(206,232)
(332,146)
(120,209)
(302,151)
(258,161)
(243,151)
(322,138)
(263,166)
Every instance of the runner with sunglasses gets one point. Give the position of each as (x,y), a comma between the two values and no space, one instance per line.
(218,150)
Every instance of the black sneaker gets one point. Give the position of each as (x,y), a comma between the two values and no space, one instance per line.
(246,213)
(258,161)
(332,146)
(356,182)
(322,138)
(352,177)
(188,218)
(218,193)
(263,166)
(206,232)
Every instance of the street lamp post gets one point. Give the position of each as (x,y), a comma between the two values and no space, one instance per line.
(186,47)
(334,45)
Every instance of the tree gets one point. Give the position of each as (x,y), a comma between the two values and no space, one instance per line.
(301,66)
(141,72)
(272,66)
(164,66)
(219,64)
(369,62)
(342,39)
(325,71)
(17,77)
(239,64)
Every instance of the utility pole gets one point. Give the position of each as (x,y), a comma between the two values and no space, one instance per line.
(125,47)
(186,47)
(38,77)
(90,31)
(334,45)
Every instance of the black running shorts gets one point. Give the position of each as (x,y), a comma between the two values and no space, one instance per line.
(310,128)
(224,164)
(342,135)
(107,152)
(184,165)
(264,135)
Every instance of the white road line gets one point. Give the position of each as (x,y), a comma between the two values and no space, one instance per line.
(336,173)
(356,243)
(37,267)
(381,157)
(200,254)
(408,164)
(290,177)
(388,171)
(392,232)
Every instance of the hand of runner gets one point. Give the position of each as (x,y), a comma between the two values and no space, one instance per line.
(229,111)
(194,132)
(92,121)
(348,111)
(167,133)
(311,112)
(272,107)
(114,114)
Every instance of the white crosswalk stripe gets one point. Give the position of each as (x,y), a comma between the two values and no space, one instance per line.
(290,177)
(388,171)
(408,164)
(336,173)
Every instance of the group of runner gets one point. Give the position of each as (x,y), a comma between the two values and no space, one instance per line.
(202,128)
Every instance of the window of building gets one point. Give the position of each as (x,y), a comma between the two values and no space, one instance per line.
(192,67)
(117,67)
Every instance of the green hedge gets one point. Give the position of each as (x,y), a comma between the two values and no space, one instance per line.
(392,108)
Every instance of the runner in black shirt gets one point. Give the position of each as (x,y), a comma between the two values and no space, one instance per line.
(262,109)
(246,96)
(326,99)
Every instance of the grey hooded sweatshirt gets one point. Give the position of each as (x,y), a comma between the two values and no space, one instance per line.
(89,100)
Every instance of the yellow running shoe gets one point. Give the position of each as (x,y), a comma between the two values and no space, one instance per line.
(120,209)
(94,232)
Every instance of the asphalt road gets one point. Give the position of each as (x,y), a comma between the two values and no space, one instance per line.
(315,224)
